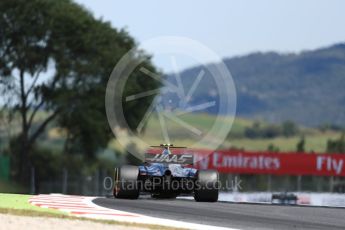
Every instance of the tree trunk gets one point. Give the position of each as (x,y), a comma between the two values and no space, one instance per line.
(24,170)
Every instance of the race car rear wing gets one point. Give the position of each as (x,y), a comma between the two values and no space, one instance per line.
(170,146)
(187,159)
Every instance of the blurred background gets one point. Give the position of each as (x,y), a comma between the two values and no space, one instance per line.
(287,60)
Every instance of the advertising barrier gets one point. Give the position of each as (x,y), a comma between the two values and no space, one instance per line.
(272,163)
(241,162)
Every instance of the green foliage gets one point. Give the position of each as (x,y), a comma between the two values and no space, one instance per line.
(331,127)
(289,129)
(254,131)
(272,148)
(4,167)
(24,47)
(80,52)
(44,160)
(300,147)
(138,83)
(336,146)
(47,164)
(259,130)
(11,187)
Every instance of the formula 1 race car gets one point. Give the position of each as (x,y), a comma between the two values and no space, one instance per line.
(166,175)
(284,198)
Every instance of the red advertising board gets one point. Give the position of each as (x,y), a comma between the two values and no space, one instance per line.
(234,161)
(272,163)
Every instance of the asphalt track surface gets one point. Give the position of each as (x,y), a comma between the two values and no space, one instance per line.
(233,215)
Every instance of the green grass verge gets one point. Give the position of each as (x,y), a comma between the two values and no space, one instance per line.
(15,204)
(21,202)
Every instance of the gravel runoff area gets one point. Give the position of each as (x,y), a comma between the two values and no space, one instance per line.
(13,222)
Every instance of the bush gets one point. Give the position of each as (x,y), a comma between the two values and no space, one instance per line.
(257,130)
(300,147)
(289,129)
(272,148)
(336,146)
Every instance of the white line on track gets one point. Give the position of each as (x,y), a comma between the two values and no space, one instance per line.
(84,207)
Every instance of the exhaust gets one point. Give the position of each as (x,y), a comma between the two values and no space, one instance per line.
(167,173)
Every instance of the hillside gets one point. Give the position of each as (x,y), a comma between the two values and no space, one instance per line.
(307,87)
(315,139)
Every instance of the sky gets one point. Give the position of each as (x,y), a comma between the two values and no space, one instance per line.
(229,28)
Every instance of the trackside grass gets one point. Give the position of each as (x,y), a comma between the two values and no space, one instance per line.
(20,202)
(15,204)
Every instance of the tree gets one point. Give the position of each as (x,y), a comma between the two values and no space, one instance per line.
(336,146)
(54,56)
(289,128)
(25,52)
(271,131)
(300,147)
(254,131)
(259,131)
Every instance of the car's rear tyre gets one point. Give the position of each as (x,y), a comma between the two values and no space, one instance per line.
(206,186)
(126,182)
